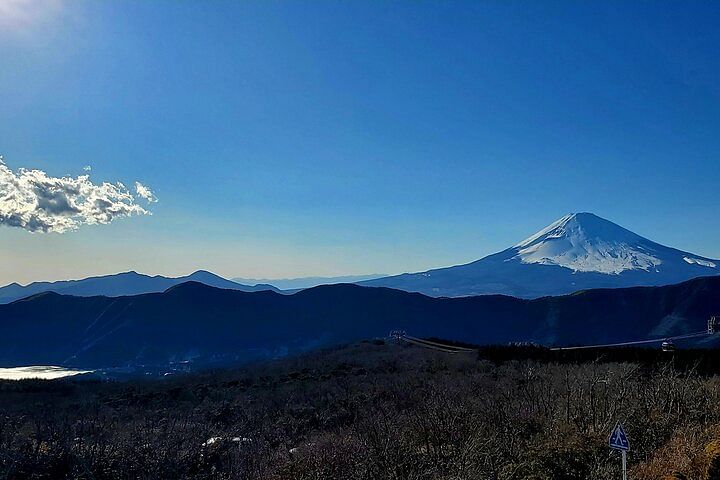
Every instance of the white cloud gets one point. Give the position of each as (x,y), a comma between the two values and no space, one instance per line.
(145,192)
(87,168)
(37,202)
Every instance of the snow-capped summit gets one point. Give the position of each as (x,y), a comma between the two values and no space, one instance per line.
(584,242)
(577,252)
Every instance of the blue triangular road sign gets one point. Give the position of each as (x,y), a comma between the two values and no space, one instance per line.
(618,438)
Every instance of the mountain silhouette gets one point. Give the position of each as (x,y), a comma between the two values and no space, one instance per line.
(127,283)
(196,321)
(577,252)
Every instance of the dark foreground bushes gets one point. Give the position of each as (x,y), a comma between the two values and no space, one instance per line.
(372,411)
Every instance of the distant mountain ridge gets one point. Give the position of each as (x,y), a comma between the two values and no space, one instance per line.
(577,252)
(196,321)
(127,283)
(306,282)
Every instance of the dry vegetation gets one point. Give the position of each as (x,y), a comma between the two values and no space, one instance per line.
(377,411)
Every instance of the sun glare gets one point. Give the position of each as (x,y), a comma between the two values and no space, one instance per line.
(21,14)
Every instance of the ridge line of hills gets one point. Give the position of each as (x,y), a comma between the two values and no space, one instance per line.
(577,252)
(121,284)
(195,322)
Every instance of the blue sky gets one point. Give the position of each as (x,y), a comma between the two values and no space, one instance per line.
(302,138)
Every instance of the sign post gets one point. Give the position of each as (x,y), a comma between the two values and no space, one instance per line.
(619,441)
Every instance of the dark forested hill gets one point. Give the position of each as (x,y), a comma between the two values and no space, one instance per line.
(194,320)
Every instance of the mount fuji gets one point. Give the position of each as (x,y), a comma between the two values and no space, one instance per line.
(579,251)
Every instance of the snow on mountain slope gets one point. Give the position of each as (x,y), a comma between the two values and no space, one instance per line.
(577,252)
(697,261)
(587,243)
